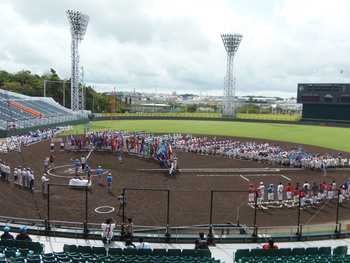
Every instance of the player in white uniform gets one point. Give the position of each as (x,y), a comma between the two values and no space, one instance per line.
(107,230)
(262,190)
(280,189)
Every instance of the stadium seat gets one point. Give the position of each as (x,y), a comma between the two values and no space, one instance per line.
(25,252)
(271,252)
(21,244)
(298,251)
(324,250)
(85,249)
(12,253)
(70,248)
(8,243)
(99,250)
(284,252)
(115,251)
(36,247)
(257,252)
(130,251)
(159,252)
(62,258)
(311,251)
(340,250)
(18,260)
(174,252)
(189,252)
(240,253)
(203,253)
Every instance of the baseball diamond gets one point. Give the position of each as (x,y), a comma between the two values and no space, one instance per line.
(190,188)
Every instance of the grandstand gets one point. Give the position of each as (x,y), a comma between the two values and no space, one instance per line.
(20,111)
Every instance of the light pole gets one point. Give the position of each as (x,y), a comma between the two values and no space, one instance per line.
(78,24)
(231,43)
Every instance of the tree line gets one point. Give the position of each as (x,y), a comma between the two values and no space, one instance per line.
(26,83)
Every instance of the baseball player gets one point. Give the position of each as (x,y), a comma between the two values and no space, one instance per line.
(107,230)
(262,190)
(270,193)
(44,181)
(289,190)
(280,189)
(296,195)
(251,193)
(259,198)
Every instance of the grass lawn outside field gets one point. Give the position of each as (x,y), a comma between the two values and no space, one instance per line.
(328,137)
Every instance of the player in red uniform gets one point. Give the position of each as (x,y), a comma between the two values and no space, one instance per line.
(251,191)
(289,190)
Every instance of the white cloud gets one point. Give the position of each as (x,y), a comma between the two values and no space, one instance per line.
(176,45)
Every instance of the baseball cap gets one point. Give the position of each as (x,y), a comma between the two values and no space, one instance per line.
(271,184)
(6,229)
(23,228)
(251,184)
(261,183)
(109,174)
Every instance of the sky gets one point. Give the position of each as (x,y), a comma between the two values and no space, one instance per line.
(165,46)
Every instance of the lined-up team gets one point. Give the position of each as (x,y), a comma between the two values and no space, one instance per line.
(305,194)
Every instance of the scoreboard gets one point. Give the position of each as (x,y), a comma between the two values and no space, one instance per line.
(325,101)
(324,94)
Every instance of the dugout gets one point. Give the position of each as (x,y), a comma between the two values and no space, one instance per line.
(329,101)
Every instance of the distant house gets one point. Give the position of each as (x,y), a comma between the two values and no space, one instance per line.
(203,109)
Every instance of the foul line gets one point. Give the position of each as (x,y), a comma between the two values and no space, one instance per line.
(245,175)
(87,157)
(286,177)
(244,178)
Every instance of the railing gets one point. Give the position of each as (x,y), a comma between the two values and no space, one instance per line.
(32,122)
(223,233)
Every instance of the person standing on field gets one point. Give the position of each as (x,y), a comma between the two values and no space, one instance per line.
(99,173)
(109,183)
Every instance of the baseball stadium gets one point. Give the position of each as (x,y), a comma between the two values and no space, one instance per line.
(208,190)
(80,186)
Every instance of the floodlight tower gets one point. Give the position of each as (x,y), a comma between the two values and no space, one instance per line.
(78,24)
(231,43)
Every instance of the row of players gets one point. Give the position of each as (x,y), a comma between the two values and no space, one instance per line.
(316,193)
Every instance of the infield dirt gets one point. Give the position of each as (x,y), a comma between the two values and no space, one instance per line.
(190,191)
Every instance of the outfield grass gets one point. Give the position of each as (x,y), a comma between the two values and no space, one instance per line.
(329,137)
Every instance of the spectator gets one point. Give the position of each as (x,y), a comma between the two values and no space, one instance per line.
(129,244)
(23,235)
(6,234)
(202,242)
(143,245)
(129,228)
(270,244)
(122,203)
(107,230)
